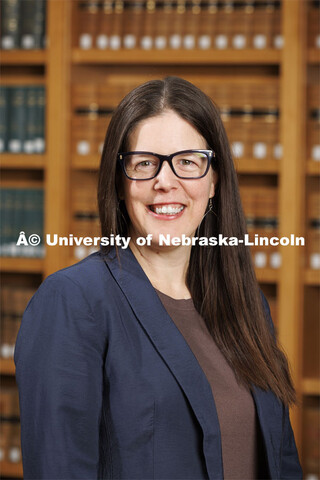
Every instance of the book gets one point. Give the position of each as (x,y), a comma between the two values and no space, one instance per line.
(32,31)
(4,108)
(10,23)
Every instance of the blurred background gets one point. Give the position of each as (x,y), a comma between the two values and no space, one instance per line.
(67,64)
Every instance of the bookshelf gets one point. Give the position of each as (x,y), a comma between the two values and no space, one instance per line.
(62,66)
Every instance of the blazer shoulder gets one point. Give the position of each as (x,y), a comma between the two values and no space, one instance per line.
(90,278)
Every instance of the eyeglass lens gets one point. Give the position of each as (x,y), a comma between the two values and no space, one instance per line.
(188,164)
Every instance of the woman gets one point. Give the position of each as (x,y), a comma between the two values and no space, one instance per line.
(157,361)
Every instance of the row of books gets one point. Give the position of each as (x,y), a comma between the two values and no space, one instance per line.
(23,24)
(22,222)
(13,303)
(240,93)
(150,24)
(22,119)
(254,135)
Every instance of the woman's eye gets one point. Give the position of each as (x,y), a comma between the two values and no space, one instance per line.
(186,162)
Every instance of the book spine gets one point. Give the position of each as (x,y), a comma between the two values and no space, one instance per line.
(88,23)
(191,24)
(40,125)
(176,35)
(148,29)
(132,24)
(104,26)
(207,24)
(29,141)
(17,121)
(3,118)
(116,35)
(10,24)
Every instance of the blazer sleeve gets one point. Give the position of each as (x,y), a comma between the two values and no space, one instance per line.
(59,370)
(290,468)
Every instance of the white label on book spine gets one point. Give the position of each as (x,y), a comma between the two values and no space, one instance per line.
(102,42)
(238,149)
(15,454)
(27,42)
(259,150)
(15,145)
(239,41)
(129,41)
(115,42)
(39,145)
(100,148)
(277,150)
(315,261)
(278,41)
(259,41)
(204,42)
(28,146)
(85,41)
(160,42)
(189,42)
(1,145)
(275,260)
(315,153)
(175,41)
(317,41)
(80,252)
(6,351)
(260,259)
(221,41)
(7,42)
(146,42)
(83,147)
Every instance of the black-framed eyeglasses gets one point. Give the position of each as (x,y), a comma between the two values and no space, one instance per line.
(186,164)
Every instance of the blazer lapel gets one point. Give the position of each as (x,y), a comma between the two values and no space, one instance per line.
(174,350)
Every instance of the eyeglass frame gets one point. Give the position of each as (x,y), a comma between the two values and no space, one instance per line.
(210,154)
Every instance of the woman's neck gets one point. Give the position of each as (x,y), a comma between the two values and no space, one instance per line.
(166,268)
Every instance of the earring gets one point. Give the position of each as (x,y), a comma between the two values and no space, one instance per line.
(210,205)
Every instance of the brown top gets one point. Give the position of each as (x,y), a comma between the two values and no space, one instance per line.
(234,403)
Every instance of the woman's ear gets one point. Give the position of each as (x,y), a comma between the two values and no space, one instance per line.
(214,181)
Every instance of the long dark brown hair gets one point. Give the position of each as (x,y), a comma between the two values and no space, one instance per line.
(226,293)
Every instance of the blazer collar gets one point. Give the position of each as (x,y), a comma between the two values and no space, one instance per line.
(179,358)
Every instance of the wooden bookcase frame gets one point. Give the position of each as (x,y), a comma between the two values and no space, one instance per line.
(293,169)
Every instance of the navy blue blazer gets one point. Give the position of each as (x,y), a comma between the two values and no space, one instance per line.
(110,389)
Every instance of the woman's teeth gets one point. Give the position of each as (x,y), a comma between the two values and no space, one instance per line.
(167,210)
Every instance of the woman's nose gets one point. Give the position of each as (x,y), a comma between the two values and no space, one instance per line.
(165,179)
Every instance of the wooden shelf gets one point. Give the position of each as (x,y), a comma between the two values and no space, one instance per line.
(9,469)
(23,57)
(7,366)
(314,55)
(313,167)
(177,57)
(22,161)
(21,265)
(257,166)
(267,275)
(311,386)
(311,277)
